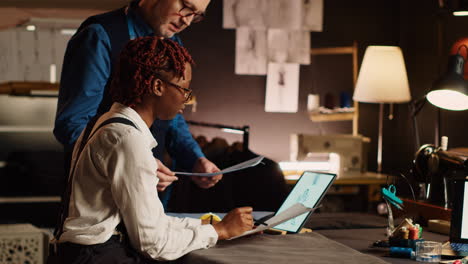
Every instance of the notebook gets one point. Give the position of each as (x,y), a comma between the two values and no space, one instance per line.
(458,245)
(309,190)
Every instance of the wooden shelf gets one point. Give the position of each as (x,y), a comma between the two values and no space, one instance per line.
(332,50)
(318,117)
(350,50)
(27,88)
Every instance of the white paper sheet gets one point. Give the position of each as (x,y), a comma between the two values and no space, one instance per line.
(245,13)
(284,14)
(293,211)
(312,15)
(243,165)
(288,46)
(282,91)
(251,51)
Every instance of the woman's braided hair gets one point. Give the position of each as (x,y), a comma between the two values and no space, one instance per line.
(140,62)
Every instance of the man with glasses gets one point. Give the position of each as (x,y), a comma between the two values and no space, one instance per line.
(89,64)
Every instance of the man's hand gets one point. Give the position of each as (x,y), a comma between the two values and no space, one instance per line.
(235,223)
(165,175)
(205,166)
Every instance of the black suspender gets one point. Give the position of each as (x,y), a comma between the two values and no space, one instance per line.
(86,136)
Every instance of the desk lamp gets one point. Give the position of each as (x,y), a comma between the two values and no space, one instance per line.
(460,8)
(382,79)
(450,92)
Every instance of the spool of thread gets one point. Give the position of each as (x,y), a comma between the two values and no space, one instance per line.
(401,252)
(444,143)
(329,101)
(413,233)
(313,102)
(404,233)
(420,230)
(345,99)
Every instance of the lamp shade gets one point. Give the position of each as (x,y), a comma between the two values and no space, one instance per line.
(450,92)
(382,77)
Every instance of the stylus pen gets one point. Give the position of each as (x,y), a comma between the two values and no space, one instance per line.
(258,222)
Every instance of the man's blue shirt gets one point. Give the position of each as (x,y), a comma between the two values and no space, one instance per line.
(85,73)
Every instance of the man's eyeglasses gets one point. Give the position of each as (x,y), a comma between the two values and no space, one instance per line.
(186,11)
(187,92)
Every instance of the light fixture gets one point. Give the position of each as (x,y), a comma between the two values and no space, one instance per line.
(450,92)
(460,8)
(68,31)
(382,79)
(31,28)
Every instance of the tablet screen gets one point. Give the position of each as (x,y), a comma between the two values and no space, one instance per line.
(309,190)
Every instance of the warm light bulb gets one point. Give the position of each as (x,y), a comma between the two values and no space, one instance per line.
(30,27)
(68,31)
(460,13)
(448,99)
(233,131)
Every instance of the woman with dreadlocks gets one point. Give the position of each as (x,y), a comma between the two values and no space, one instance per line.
(113,176)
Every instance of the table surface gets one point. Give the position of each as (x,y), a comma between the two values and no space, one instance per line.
(335,236)
(354,245)
(272,249)
(362,239)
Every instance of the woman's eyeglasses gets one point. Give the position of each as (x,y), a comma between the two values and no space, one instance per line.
(186,11)
(187,92)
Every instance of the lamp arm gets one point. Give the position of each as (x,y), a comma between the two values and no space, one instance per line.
(416,107)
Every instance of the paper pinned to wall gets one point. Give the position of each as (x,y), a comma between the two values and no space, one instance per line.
(282,91)
(285,46)
(284,14)
(312,15)
(27,55)
(245,13)
(251,51)
(281,14)
(8,59)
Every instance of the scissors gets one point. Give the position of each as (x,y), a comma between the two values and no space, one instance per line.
(389,195)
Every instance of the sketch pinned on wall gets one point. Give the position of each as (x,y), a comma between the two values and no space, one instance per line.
(312,15)
(251,51)
(44,47)
(28,55)
(285,46)
(7,55)
(58,50)
(29,66)
(282,91)
(245,13)
(284,14)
